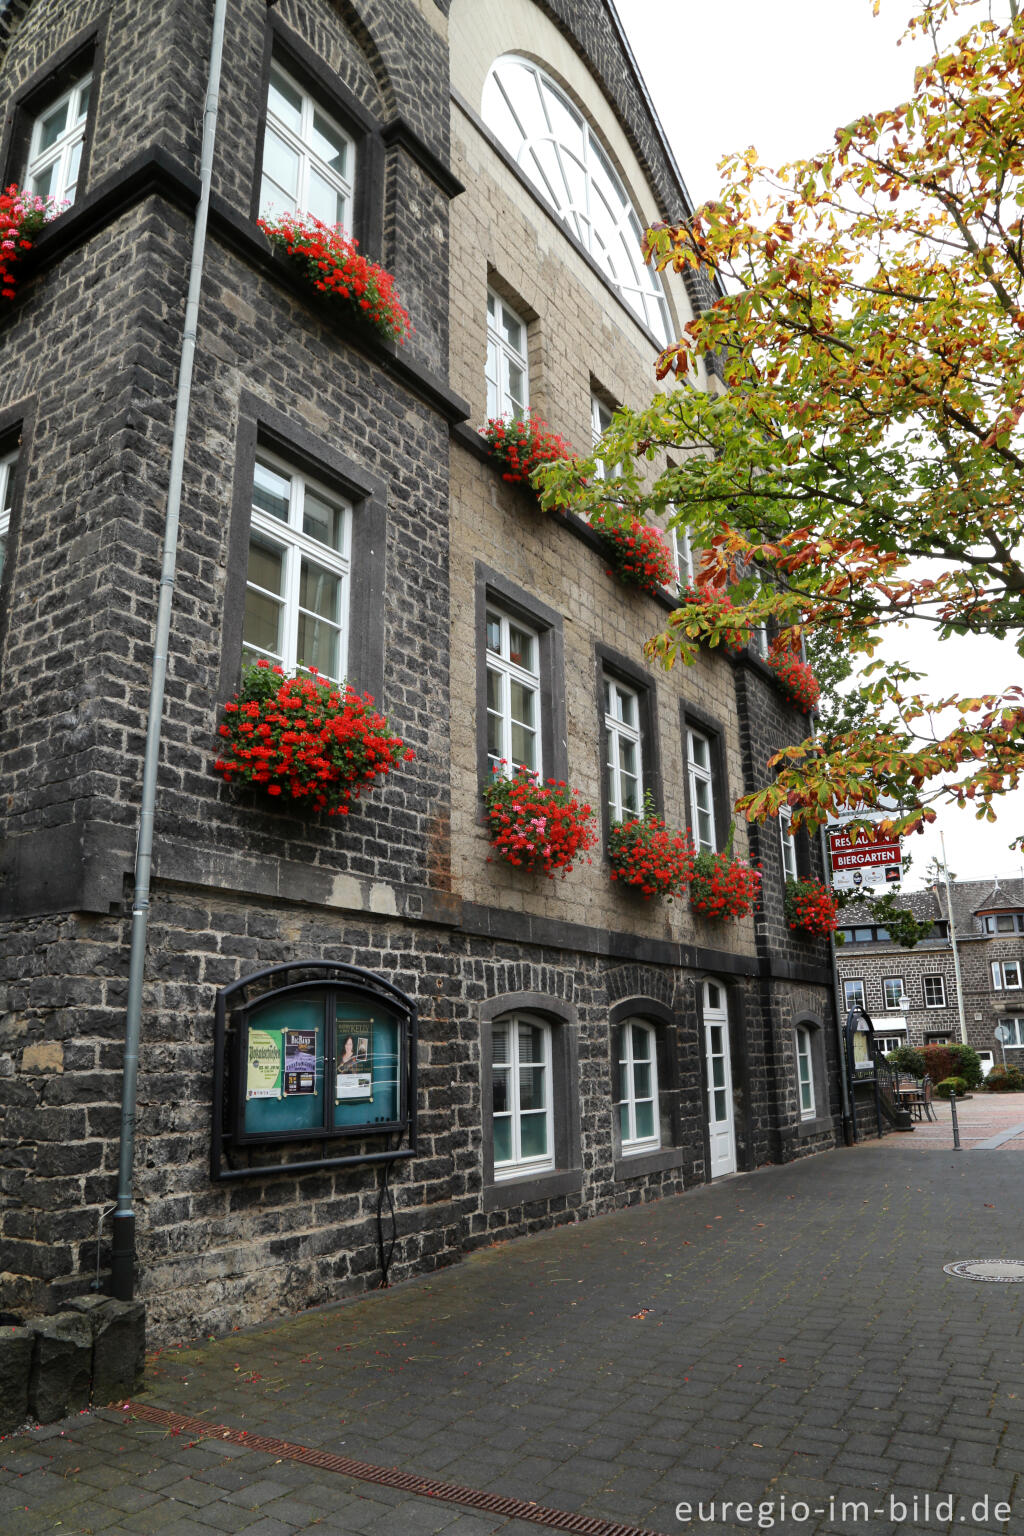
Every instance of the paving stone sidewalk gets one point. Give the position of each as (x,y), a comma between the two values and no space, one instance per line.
(989,1122)
(787,1338)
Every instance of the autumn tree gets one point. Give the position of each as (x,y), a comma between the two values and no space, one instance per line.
(862,468)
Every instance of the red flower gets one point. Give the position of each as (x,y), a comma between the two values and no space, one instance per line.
(312,741)
(524,445)
(723,887)
(333,264)
(638,552)
(810,906)
(644,854)
(22,216)
(794,676)
(537,826)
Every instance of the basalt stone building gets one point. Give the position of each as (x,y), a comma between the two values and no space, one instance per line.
(911,994)
(332,1005)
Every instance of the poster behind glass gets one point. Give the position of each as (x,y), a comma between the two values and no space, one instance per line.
(283,1067)
(367,1060)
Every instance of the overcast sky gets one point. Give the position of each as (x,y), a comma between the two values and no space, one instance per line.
(783,76)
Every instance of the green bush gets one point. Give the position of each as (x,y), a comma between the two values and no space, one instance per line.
(951,1085)
(1004,1080)
(968,1064)
(907,1059)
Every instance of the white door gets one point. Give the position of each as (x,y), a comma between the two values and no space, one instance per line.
(721,1127)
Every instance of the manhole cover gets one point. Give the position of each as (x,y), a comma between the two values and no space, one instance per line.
(1005,1270)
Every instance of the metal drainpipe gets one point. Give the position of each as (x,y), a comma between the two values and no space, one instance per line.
(123,1225)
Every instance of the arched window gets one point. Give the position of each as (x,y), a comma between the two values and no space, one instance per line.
(521,1096)
(559,154)
(636,1095)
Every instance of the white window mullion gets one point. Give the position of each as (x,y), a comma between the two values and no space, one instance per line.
(302,142)
(287,537)
(506,353)
(507,672)
(512,1070)
(701,791)
(805,1073)
(789,863)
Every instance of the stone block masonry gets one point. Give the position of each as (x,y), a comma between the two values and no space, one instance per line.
(401,887)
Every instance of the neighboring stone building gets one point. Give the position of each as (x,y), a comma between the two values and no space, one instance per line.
(877,973)
(440,130)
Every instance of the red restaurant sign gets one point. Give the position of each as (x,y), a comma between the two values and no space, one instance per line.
(862,854)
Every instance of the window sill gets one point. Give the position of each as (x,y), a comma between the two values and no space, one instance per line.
(817,1127)
(537,1186)
(640,1164)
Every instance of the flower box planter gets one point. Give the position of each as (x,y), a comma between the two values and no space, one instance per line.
(333,264)
(639,553)
(522,445)
(305,739)
(22,216)
(811,908)
(648,857)
(723,888)
(537,826)
(796,681)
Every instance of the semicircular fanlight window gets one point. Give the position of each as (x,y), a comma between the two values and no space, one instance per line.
(560,155)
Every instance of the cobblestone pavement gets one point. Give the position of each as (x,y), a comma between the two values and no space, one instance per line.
(787,1338)
(989,1122)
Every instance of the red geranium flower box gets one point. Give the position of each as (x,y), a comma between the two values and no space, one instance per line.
(794,677)
(724,888)
(537,825)
(522,445)
(333,263)
(305,738)
(649,857)
(22,216)
(811,908)
(639,553)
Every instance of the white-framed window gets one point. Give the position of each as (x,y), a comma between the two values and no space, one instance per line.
(559,154)
(702,787)
(1005,973)
(624,749)
(937,1039)
(892,991)
(636,1086)
(934,992)
(789,865)
(805,1072)
(758,643)
(55,145)
(308,159)
(521,1096)
(600,421)
(853,994)
(682,554)
(1016,1028)
(297,591)
(8,462)
(508,388)
(887,1043)
(513,693)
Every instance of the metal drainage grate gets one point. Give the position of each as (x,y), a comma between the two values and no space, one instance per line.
(390,1477)
(999,1271)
